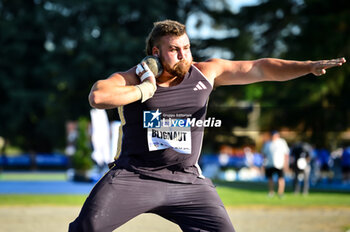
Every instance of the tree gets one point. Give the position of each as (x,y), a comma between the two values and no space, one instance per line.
(293,29)
(81,160)
(53,51)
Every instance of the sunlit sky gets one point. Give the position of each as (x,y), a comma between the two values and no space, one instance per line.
(236,4)
(205,30)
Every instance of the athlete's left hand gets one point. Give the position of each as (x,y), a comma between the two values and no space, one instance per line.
(318,68)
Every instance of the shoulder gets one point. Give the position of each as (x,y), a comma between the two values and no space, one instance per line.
(282,141)
(208,67)
(125,78)
(229,72)
(266,145)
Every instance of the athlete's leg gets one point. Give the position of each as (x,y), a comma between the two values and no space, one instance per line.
(281,182)
(196,207)
(306,180)
(281,186)
(118,197)
(269,175)
(271,186)
(296,181)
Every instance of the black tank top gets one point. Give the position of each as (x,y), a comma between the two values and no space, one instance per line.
(166,153)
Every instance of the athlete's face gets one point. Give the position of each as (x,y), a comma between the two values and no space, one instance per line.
(175,54)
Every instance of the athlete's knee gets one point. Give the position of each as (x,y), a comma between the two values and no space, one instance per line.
(227,227)
(224,225)
(223,221)
(74,226)
(86,225)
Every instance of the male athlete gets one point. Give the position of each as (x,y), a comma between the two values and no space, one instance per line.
(156,169)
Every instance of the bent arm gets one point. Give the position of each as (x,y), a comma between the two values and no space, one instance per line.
(119,89)
(226,72)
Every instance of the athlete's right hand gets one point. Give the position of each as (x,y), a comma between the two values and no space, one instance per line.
(144,72)
(148,81)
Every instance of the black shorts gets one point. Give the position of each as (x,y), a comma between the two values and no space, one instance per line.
(345,169)
(324,167)
(270,171)
(122,195)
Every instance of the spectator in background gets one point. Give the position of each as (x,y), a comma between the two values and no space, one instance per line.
(325,163)
(301,154)
(345,165)
(72,135)
(276,152)
(249,157)
(253,162)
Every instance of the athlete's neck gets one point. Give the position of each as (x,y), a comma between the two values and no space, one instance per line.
(166,80)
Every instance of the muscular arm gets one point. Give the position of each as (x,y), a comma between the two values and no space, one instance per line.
(119,89)
(226,72)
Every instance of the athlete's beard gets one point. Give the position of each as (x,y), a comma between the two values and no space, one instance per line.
(179,69)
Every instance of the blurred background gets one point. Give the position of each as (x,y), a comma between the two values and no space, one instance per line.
(53,51)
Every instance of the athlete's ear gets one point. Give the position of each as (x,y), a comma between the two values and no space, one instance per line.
(155,51)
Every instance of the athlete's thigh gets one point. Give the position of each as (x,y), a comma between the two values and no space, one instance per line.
(118,197)
(197,207)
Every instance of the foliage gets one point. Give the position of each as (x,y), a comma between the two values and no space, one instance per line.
(53,51)
(293,29)
(81,159)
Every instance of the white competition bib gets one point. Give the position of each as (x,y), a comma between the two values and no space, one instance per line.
(177,138)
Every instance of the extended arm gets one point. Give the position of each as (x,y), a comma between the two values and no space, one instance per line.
(225,72)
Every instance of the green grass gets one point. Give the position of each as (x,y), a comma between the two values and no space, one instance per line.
(38,199)
(234,197)
(232,194)
(33,176)
(245,194)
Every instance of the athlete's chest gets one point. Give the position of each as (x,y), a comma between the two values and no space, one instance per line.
(190,95)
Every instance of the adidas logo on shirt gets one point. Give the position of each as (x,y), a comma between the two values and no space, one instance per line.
(200,86)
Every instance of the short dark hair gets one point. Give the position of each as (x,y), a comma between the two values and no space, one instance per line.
(163,28)
(274,132)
